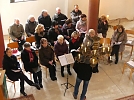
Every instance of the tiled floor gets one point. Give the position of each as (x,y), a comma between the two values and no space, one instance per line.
(108,84)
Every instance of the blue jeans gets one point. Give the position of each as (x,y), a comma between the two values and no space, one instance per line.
(76,88)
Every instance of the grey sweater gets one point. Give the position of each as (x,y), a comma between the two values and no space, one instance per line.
(16,31)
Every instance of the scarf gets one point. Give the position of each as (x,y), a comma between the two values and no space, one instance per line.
(74,40)
(83,23)
(31,57)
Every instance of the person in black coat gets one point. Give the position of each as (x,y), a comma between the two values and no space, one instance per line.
(59,17)
(68,29)
(53,33)
(30,26)
(74,43)
(13,70)
(30,60)
(103,26)
(39,34)
(45,19)
(75,14)
(46,58)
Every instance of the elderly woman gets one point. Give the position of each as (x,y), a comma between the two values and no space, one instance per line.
(13,70)
(30,60)
(103,26)
(119,39)
(46,57)
(39,33)
(74,43)
(81,25)
(84,70)
(61,48)
(30,26)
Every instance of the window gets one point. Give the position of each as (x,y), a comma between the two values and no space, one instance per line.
(13,1)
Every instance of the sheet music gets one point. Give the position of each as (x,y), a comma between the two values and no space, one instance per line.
(17,54)
(63,60)
(73,50)
(66,42)
(131,63)
(16,70)
(117,43)
(69,58)
(129,42)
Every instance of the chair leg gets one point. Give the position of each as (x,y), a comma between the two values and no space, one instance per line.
(131,51)
(121,55)
(130,77)
(46,72)
(124,68)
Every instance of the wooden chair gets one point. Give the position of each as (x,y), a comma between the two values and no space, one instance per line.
(105,41)
(131,67)
(130,43)
(13,82)
(44,67)
(30,39)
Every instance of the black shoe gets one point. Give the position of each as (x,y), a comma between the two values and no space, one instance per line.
(75,97)
(69,72)
(116,62)
(22,92)
(41,86)
(36,85)
(53,78)
(62,74)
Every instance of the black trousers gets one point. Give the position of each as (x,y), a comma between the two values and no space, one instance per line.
(82,36)
(37,77)
(52,70)
(115,51)
(23,78)
(62,68)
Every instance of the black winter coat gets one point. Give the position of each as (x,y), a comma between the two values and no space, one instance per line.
(9,64)
(26,60)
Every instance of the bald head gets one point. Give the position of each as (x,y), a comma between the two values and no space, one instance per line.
(58,10)
(17,21)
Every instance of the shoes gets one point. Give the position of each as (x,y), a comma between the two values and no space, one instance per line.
(41,86)
(62,74)
(84,98)
(54,79)
(69,72)
(116,62)
(36,85)
(22,92)
(75,97)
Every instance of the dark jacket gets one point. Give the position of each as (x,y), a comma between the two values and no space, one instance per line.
(9,64)
(46,21)
(60,18)
(38,37)
(26,60)
(52,35)
(60,49)
(67,31)
(75,45)
(30,27)
(84,71)
(46,55)
(101,27)
(75,16)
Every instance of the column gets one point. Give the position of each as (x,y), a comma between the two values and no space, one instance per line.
(2,47)
(93,12)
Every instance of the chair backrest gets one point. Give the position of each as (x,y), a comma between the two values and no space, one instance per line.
(114,28)
(130,33)
(30,39)
(13,45)
(105,41)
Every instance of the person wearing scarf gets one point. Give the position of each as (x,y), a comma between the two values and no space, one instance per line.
(74,43)
(30,60)
(118,36)
(81,26)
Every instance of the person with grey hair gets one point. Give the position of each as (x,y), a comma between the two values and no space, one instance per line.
(30,26)
(61,48)
(16,32)
(45,19)
(30,61)
(59,17)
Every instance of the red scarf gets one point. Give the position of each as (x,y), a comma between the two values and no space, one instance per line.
(74,40)
(31,57)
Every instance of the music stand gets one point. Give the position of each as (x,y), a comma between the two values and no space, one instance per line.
(67,85)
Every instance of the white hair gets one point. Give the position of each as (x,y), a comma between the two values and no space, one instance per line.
(57,8)
(16,19)
(30,16)
(44,11)
(60,37)
(91,31)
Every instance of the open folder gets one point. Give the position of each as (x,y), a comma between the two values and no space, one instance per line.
(66,59)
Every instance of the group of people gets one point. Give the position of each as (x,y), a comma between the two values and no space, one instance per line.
(50,33)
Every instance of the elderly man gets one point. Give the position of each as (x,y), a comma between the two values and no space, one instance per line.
(75,14)
(30,26)
(45,19)
(16,32)
(59,17)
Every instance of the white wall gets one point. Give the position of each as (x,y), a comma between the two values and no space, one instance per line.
(9,11)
